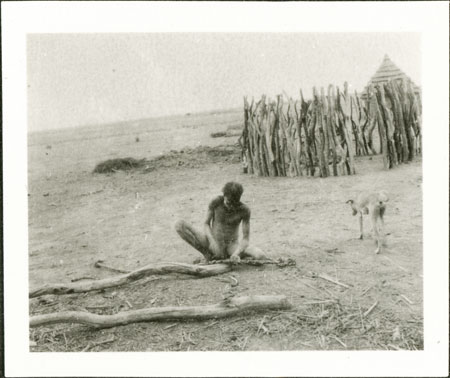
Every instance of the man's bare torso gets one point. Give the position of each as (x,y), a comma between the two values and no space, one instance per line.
(225,224)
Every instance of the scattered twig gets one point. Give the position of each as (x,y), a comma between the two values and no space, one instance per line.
(307,316)
(99,264)
(328,278)
(329,292)
(340,341)
(361,317)
(366,290)
(280,262)
(321,302)
(235,283)
(312,287)
(393,262)
(406,299)
(261,325)
(211,324)
(370,309)
(334,250)
(303,343)
(244,343)
(129,304)
(99,307)
(170,326)
(82,278)
(93,345)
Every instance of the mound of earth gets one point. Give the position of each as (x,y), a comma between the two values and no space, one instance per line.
(185,158)
(195,157)
(121,164)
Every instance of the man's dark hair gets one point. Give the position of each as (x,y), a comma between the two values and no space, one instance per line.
(233,190)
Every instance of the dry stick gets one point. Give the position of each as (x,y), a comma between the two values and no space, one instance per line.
(224,309)
(339,341)
(398,93)
(382,131)
(406,299)
(359,120)
(398,117)
(324,141)
(98,307)
(344,104)
(312,287)
(148,270)
(82,278)
(99,264)
(393,262)
(320,302)
(334,124)
(366,290)
(261,325)
(298,116)
(370,309)
(390,129)
(290,140)
(90,346)
(324,120)
(268,142)
(329,292)
(328,278)
(280,262)
(361,317)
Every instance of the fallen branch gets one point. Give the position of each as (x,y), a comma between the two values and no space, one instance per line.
(223,309)
(148,270)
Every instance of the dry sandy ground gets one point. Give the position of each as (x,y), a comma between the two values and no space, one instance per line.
(127,218)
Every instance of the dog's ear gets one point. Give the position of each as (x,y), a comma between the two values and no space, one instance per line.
(349,201)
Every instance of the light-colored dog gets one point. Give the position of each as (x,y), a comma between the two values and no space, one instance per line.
(374,204)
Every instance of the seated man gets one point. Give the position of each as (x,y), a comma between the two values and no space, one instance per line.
(220,238)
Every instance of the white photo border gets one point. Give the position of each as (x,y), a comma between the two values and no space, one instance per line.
(430,19)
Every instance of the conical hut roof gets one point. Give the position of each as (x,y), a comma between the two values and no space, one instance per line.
(388,71)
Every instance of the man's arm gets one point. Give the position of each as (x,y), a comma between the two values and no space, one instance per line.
(207,224)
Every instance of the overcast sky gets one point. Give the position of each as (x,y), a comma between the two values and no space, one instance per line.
(79,79)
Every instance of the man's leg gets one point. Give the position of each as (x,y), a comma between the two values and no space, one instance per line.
(194,237)
(252,252)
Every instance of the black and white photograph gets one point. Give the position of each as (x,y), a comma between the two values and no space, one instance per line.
(186,183)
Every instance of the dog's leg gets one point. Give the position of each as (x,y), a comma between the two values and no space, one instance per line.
(381,220)
(361,227)
(376,232)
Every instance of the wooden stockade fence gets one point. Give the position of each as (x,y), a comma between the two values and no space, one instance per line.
(321,137)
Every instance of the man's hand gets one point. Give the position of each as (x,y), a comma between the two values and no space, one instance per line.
(234,259)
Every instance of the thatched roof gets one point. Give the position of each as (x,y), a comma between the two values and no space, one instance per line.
(388,71)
